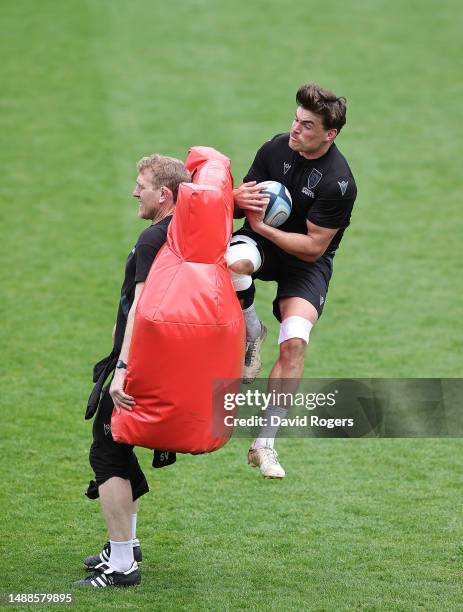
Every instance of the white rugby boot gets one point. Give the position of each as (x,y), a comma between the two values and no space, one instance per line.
(252,361)
(266,459)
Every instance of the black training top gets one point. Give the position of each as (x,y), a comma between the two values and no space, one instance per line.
(137,267)
(323,190)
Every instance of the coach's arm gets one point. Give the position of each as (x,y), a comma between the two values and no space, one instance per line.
(116,390)
(308,247)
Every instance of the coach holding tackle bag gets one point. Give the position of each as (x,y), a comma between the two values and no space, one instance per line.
(299,254)
(119,480)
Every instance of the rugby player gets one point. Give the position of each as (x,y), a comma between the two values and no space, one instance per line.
(119,480)
(299,254)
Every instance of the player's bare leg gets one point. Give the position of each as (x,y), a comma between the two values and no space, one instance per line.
(92,561)
(300,317)
(117,506)
(241,270)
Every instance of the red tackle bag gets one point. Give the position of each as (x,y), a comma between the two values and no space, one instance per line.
(189,327)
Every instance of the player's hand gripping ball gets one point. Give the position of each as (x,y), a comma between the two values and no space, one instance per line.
(279,207)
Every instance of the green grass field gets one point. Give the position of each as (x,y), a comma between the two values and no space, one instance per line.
(90,86)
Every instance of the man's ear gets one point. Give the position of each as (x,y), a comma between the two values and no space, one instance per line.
(331,134)
(166,194)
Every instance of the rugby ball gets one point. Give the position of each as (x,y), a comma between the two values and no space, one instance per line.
(279,207)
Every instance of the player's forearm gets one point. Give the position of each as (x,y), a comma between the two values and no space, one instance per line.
(302,246)
(124,354)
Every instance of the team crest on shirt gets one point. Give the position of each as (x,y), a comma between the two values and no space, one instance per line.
(343,186)
(286,167)
(315,177)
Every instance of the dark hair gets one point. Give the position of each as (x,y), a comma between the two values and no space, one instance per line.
(324,103)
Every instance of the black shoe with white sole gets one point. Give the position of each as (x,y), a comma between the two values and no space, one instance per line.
(91,562)
(106,576)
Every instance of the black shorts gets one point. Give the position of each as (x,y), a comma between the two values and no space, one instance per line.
(109,458)
(295,278)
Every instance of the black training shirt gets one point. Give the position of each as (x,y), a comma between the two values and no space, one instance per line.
(323,190)
(137,267)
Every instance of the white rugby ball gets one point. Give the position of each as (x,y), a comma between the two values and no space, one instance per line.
(279,207)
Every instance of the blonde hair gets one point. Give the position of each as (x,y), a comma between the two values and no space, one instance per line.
(166,172)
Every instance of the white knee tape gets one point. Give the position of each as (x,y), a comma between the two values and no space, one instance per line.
(295,327)
(247,249)
(241,282)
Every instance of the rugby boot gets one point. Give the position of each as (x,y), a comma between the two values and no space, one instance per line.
(106,576)
(266,459)
(103,557)
(252,360)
